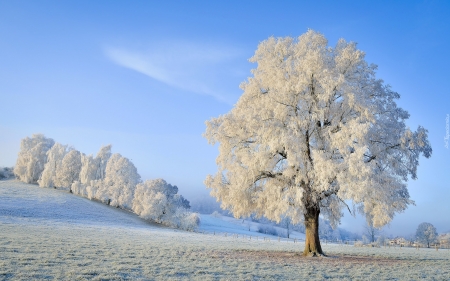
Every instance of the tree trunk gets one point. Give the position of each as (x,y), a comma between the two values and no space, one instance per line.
(312,243)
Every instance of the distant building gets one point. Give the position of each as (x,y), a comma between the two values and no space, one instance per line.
(401,241)
(444,240)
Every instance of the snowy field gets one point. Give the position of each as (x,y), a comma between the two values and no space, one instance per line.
(51,234)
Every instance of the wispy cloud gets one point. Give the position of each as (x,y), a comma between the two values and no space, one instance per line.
(193,67)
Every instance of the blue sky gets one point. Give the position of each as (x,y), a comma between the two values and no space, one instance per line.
(145,75)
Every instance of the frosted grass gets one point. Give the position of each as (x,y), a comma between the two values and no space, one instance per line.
(52,235)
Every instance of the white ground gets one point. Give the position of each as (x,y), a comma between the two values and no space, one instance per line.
(51,234)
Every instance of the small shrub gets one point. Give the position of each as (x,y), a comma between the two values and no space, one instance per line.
(78,188)
(183,219)
(373,245)
(267,229)
(191,222)
(216,214)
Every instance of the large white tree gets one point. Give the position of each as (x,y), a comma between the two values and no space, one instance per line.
(121,177)
(426,233)
(313,130)
(32,158)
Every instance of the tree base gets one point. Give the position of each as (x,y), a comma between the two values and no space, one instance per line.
(312,240)
(313,254)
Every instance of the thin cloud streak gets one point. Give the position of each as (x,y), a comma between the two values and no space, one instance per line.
(196,68)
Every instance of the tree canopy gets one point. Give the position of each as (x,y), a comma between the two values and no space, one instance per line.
(426,233)
(313,130)
(32,157)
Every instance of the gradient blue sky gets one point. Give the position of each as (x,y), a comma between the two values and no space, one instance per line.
(145,75)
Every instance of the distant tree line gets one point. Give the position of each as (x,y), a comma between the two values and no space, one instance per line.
(6,173)
(108,178)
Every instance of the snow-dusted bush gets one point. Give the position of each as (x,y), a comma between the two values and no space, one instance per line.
(79,189)
(158,201)
(88,190)
(267,229)
(373,245)
(32,157)
(216,214)
(191,222)
(92,189)
(6,173)
(184,219)
(118,187)
(153,200)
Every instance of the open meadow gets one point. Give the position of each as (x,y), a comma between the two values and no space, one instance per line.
(49,234)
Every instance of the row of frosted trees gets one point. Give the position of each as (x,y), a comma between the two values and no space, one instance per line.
(109,178)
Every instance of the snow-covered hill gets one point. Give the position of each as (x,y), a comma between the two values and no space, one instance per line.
(48,234)
(30,204)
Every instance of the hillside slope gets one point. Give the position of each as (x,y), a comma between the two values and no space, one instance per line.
(46,234)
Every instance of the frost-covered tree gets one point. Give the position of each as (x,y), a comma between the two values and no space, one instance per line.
(89,167)
(313,130)
(121,178)
(101,160)
(54,159)
(426,233)
(32,158)
(158,201)
(69,170)
(92,172)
